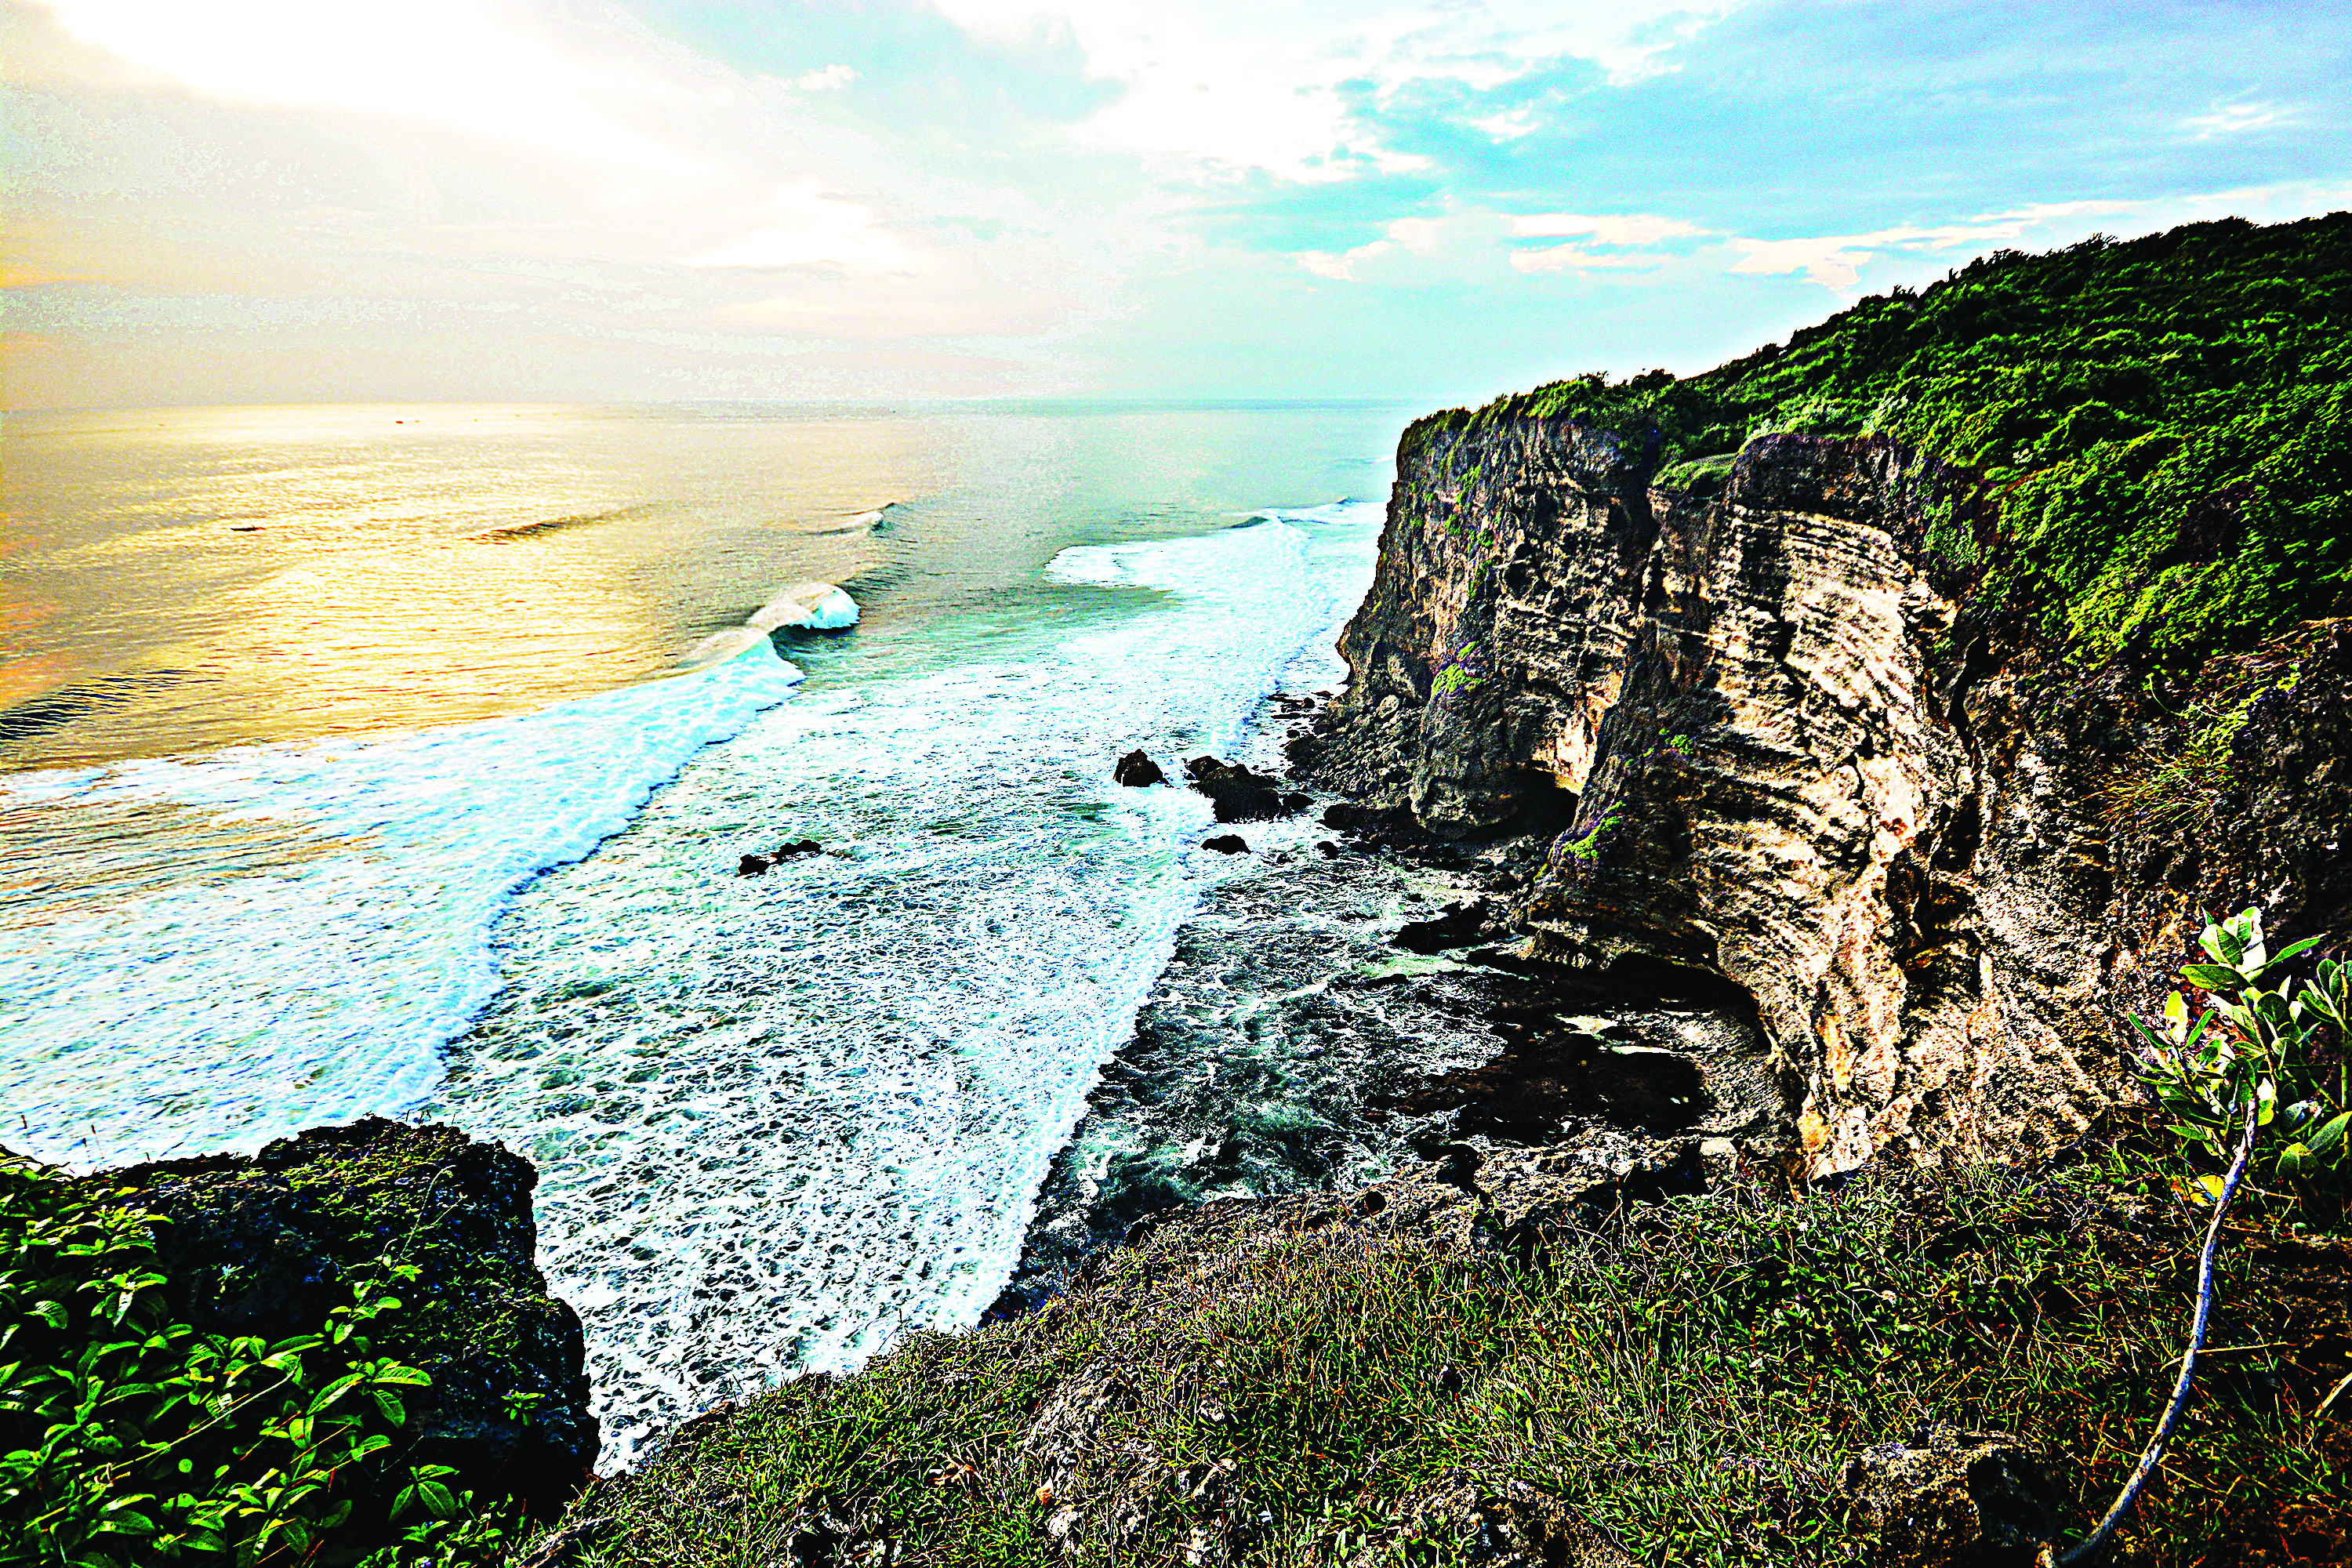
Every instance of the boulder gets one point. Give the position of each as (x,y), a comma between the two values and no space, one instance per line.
(1240,794)
(1137,771)
(1227,843)
(1952,1495)
(1491,1521)
(754,864)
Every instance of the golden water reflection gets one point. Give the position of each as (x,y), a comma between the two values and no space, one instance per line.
(181,579)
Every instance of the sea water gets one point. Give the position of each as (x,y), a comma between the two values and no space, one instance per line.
(778,1119)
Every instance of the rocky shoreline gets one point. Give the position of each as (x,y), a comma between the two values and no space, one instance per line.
(1683,842)
(1520,984)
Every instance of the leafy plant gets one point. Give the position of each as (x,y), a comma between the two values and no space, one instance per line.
(127,1436)
(2259,1050)
(2221,1077)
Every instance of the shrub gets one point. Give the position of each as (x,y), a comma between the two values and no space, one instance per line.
(127,1436)
(2270,1056)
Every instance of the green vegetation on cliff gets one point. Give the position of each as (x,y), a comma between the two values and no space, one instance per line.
(336,1349)
(2164,425)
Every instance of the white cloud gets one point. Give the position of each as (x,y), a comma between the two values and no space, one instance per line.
(811,225)
(1510,125)
(1577,258)
(543,176)
(2234,119)
(463,64)
(1835,261)
(825,80)
(1622,229)
(1412,236)
(1241,85)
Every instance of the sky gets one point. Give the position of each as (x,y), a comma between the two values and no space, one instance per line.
(290,201)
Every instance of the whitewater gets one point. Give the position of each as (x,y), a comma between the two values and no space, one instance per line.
(779,1121)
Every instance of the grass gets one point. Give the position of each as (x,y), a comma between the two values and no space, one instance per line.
(1693,1378)
(2173,782)
(2147,444)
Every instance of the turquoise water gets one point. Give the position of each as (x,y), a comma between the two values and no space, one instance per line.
(354,771)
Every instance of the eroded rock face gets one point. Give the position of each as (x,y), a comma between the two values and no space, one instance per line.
(265,1245)
(1783,761)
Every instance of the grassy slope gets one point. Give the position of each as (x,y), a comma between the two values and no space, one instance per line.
(2166,424)
(1695,1380)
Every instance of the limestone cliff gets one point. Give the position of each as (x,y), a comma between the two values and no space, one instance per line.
(1784,755)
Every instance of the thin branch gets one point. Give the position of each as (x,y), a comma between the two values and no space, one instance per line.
(2096,1541)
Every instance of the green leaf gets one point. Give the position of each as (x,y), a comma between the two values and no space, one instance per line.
(2213,977)
(335,1391)
(2306,945)
(392,1371)
(2328,1136)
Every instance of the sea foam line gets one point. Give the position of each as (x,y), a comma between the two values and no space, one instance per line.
(223,1010)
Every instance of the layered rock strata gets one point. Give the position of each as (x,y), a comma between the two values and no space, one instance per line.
(1784,756)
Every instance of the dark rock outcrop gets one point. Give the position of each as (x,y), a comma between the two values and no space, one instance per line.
(753,865)
(1787,759)
(1952,1496)
(1137,771)
(265,1245)
(1240,794)
(1458,925)
(1226,844)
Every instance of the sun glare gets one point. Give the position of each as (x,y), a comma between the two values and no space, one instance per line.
(453,62)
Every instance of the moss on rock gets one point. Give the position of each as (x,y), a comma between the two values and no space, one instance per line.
(265,1245)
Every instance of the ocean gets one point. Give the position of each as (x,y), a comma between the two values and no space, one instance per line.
(398,761)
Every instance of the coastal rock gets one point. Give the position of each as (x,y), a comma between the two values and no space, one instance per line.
(754,864)
(1950,1496)
(1783,761)
(1137,771)
(264,1246)
(1240,794)
(1458,925)
(1494,1521)
(1226,844)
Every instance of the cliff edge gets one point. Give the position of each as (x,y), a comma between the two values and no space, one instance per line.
(1789,755)
(1922,675)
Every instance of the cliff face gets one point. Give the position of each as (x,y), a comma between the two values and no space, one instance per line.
(1778,764)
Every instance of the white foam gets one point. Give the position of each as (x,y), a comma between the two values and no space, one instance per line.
(780,1121)
(227,1010)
